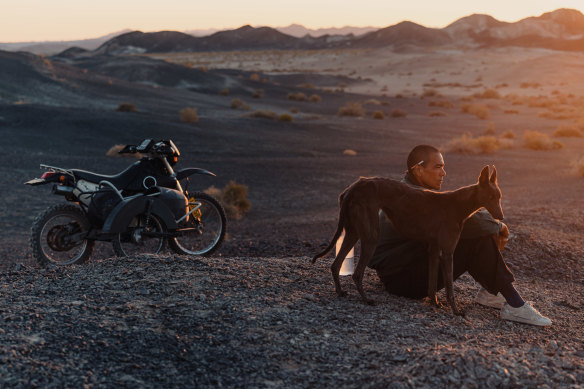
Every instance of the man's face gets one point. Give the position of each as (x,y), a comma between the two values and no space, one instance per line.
(432,173)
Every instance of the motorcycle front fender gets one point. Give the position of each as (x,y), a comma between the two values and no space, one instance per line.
(184,173)
(121,216)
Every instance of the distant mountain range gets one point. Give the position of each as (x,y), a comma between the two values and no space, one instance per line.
(562,29)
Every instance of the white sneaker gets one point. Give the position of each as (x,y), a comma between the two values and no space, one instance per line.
(525,314)
(483,297)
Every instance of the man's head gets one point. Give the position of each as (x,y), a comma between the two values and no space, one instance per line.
(426,166)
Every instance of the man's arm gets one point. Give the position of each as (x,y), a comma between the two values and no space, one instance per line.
(481,223)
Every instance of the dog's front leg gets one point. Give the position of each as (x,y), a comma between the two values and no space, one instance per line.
(446,263)
(433,259)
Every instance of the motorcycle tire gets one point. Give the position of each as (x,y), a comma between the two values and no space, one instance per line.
(212,224)
(134,242)
(48,238)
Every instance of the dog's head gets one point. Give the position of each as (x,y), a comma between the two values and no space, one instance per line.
(489,193)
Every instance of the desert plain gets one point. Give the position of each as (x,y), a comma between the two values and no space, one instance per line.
(258,314)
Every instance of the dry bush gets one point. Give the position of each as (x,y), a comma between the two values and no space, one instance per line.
(263,114)
(568,131)
(466,144)
(127,107)
(350,152)
(233,198)
(352,109)
(315,98)
(285,117)
(224,92)
(558,115)
(297,96)
(114,152)
(430,93)
(436,113)
(399,96)
(511,111)
(239,104)
(188,115)
(529,85)
(294,110)
(578,167)
(378,115)
(398,113)
(488,94)
(490,129)
(537,141)
(479,110)
(307,86)
(508,135)
(257,94)
(385,103)
(372,102)
(441,104)
(254,77)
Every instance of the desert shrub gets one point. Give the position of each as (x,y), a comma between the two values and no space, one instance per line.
(233,198)
(294,110)
(508,135)
(558,115)
(372,102)
(488,94)
(436,113)
(490,129)
(479,110)
(239,104)
(430,93)
(350,152)
(314,98)
(297,96)
(385,103)
(224,92)
(399,96)
(466,144)
(188,115)
(114,150)
(378,115)
(578,167)
(352,109)
(568,131)
(511,111)
(257,94)
(285,117)
(307,86)
(263,114)
(127,107)
(529,85)
(441,104)
(537,141)
(398,113)
(254,77)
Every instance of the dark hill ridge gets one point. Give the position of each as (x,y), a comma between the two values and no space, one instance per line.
(562,29)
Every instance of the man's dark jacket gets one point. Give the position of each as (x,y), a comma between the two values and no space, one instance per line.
(394,252)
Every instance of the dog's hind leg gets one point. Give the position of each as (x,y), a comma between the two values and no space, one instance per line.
(446,263)
(433,260)
(348,242)
(368,246)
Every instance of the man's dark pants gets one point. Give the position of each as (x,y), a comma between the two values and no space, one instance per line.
(479,256)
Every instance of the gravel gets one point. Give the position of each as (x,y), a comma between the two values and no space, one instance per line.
(172,321)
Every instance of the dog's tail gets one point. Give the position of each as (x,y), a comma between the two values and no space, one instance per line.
(342,211)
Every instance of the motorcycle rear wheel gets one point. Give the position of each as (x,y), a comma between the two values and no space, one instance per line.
(50,232)
(136,240)
(208,224)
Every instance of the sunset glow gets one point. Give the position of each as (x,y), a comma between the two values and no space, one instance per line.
(38,20)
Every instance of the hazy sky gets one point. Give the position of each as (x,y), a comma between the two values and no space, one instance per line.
(39,20)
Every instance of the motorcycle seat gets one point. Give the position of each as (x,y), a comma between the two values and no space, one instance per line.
(120,180)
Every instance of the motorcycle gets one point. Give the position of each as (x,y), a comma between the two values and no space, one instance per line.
(137,210)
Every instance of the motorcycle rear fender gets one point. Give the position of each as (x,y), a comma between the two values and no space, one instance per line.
(126,210)
(184,173)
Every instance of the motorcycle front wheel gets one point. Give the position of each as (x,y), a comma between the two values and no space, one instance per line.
(56,236)
(141,237)
(205,229)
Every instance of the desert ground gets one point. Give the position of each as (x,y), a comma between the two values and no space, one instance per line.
(257,314)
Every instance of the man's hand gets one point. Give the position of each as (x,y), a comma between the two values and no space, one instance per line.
(503,237)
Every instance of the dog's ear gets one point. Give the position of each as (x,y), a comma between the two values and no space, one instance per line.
(484,177)
(494,175)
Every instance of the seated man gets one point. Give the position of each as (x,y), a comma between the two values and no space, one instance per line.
(402,265)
